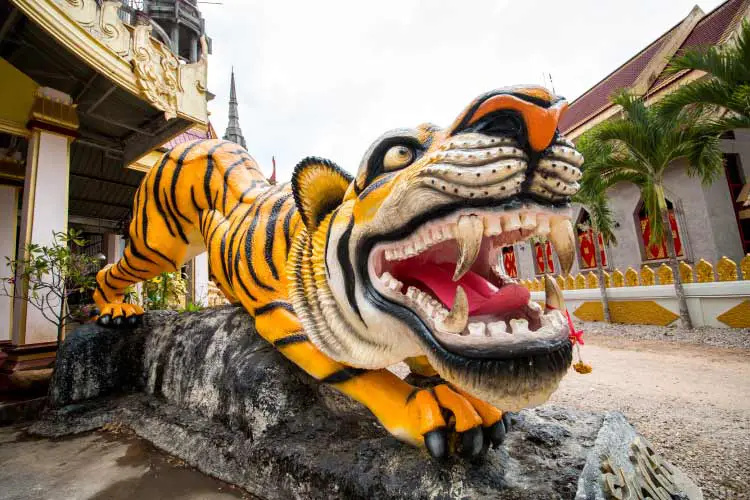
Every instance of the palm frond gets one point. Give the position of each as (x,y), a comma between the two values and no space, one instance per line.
(729,62)
(730,122)
(706,95)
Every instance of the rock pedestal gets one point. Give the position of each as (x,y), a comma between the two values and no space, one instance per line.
(207,389)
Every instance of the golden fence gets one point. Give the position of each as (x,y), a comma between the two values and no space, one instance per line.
(215,296)
(726,270)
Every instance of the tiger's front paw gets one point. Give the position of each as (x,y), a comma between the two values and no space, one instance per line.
(452,421)
(119,315)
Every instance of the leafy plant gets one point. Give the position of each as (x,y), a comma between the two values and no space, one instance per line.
(639,147)
(192,307)
(166,291)
(725,88)
(593,197)
(47,276)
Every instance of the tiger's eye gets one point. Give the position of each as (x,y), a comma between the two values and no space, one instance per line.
(397,157)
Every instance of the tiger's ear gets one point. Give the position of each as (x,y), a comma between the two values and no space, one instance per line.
(319,187)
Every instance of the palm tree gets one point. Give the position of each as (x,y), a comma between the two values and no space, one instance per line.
(644,142)
(726,87)
(593,197)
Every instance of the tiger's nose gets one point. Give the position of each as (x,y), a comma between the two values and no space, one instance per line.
(527,117)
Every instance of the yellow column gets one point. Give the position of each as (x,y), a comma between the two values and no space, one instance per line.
(53,124)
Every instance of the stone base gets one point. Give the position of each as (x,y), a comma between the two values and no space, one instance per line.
(18,361)
(205,388)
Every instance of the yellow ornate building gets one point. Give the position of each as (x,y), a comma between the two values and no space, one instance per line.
(88,90)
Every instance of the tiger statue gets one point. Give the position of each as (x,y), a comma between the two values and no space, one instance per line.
(347,276)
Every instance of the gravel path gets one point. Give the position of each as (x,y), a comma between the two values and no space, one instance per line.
(718,337)
(689,398)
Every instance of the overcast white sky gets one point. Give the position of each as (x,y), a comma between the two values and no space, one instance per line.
(326,78)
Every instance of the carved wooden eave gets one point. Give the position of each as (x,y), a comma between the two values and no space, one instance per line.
(127,55)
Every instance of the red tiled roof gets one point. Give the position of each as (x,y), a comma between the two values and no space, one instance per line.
(191,135)
(598,96)
(714,28)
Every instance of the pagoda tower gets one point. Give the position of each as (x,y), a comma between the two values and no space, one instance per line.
(234,132)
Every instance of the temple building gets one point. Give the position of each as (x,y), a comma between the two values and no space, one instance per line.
(92,93)
(708,222)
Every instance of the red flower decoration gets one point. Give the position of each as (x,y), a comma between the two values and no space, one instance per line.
(576,336)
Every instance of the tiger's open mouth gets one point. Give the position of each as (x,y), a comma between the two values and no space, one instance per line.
(449,273)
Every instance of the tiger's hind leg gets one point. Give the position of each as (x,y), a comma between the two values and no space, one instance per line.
(151,250)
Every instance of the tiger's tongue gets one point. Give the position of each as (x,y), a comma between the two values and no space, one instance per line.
(483,297)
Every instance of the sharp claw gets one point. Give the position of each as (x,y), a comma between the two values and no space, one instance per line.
(496,433)
(506,421)
(105,320)
(472,442)
(132,320)
(437,442)
(118,321)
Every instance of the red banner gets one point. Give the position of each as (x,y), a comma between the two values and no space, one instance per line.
(656,251)
(586,249)
(544,261)
(550,260)
(509,262)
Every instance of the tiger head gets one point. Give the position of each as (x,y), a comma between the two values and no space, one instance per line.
(404,259)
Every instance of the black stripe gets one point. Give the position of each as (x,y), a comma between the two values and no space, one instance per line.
(210,170)
(249,251)
(343,375)
(291,339)
(138,255)
(328,240)
(226,182)
(413,394)
(272,306)
(271,233)
(144,230)
(342,252)
(375,185)
(178,167)
(287,222)
(134,223)
(177,223)
(106,299)
(127,261)
(224,258)
(106,281)
(125,272)
(236,263)
(156,189)
(192,198)
(118,278)
(237,259)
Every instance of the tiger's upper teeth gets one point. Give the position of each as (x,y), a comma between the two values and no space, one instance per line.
(469,239)
(563,239)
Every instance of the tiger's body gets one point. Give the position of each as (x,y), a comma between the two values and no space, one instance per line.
(294,256)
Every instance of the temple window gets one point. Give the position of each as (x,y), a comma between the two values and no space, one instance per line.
(586,247)
(736,182)
(509,262)
(658,251)
(543,261)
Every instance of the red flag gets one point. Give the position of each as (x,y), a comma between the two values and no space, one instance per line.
(272,179)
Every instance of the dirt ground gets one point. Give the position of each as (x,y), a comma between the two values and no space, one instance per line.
(691,401)
(99,466)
